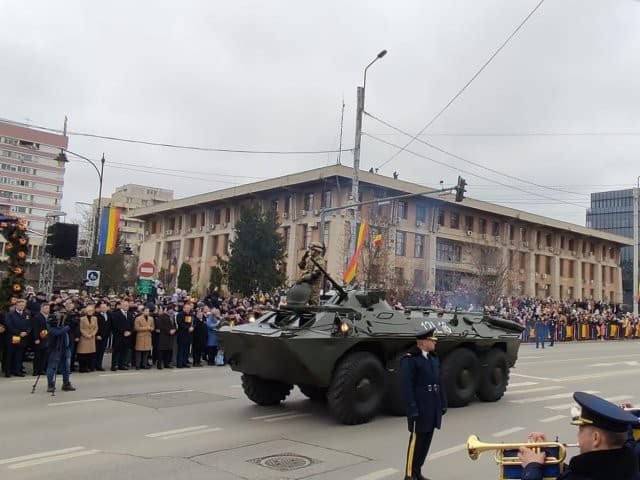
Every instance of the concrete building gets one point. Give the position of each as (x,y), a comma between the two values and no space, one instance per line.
(612,212)
(432,242)
(31,179)
(130,197)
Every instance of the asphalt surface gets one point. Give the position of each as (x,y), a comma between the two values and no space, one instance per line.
(196,424)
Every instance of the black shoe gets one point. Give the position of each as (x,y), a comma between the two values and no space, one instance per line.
(18,374)
(169,367)
(421,477)
(8,375)
(51,389)
(67,387)
(159,367)
(187,366)
(100,369)
(137,368)
(123,368)
(114,369)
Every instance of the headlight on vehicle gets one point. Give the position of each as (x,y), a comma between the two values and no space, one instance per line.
(344,328)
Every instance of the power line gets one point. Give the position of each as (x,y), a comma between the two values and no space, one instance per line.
(525,134)
(458,157)
(472,173)
(215,174)
(184,147)
(466,85)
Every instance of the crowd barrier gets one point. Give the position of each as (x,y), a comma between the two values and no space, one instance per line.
(585,331)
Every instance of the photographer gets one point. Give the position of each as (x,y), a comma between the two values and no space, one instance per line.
(59,358)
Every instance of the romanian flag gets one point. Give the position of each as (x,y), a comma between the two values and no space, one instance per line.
(377,240)
(350,272)
(109,229)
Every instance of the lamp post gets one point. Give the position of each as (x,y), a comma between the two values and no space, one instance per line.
(360,91)
(100,171)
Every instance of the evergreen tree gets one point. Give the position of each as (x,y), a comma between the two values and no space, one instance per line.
(257,252)
(216,277)
(184,277)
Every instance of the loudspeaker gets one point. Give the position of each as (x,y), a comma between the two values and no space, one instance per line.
(62,240)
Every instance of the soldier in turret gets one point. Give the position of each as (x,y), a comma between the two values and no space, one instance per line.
(311,265)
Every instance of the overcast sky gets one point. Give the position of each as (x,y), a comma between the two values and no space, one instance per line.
(272,74)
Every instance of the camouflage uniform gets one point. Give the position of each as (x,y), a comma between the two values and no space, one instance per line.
(311,274)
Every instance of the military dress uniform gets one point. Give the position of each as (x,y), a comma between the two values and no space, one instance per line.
(426,402)
(311,273)
(618,463)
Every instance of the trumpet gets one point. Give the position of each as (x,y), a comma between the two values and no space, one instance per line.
(475,447)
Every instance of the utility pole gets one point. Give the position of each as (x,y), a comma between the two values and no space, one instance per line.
(355,183)
(636,207)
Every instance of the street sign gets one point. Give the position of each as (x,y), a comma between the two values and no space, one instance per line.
(93,278)
(146,270)
(145,286)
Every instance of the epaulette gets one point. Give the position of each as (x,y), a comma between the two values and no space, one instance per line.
(408,354)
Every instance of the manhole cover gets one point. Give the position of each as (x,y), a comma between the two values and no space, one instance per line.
(284,462)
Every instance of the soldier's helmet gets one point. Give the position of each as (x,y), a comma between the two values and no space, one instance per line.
(316,246)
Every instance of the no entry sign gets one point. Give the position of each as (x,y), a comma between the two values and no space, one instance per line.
(146,270)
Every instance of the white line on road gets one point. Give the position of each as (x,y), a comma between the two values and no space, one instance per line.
(531,376)
(179,430)
(552,419)
(274,415)
(290,417)
(39,455)
(508,431)
(448,451)
(379,474)
(567,406)
(532,390)
(522,384)
(74,402)
(170,391)
(57,458)
(530,357)
(564,406)
(548,397)
(119,374)
(191,434)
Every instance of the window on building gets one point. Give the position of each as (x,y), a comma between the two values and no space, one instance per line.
(523,260)
(441,218)
(482,226)
(454,220)
(468,223)
(538,240)
(561,242)
(287,205)
(214,245)
(418,246)
(399,273)
(495,229)
(448,251)
(275,204)
(401,243)
(308,201)
(326,199)
(523,234)
(216,216)
(549,240)
(227,215)
(547,265)
(418,279)
(572,245)
(421,213)
(612,272)
(403,209)
(571,269)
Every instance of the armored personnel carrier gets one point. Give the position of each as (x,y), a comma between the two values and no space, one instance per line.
(347,352)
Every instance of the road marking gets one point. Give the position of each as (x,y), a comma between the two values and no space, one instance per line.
(567,406)
(24,380)
(290,417)
(179,430)
(508,431)
(632,363)
(171,391)
(191,434)
(531,376)
(579,359)
(119,374)
(532,390)
(39,455)
(522,384)
(274,415)
(447,451)
(379,474)
(74,402)
(530,357)
(629,371)
(548,397)
(552,419)
(57,458)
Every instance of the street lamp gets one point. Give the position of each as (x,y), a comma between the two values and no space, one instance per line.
(62,157)
(360,91)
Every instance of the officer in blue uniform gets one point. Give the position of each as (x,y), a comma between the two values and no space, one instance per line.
(602,433)
(425,398)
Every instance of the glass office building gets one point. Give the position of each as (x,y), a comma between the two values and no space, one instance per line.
(613,212)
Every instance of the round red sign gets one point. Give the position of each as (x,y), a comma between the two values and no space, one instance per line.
(146,270)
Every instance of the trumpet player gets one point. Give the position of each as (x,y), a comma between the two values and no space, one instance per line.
(602,433)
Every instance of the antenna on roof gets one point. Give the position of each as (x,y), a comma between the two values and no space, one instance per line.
(64,130)
(340,141)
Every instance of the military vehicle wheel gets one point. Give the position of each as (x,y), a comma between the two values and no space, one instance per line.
(494,375)
(394,401)
(460,376)
(264,392)
(313,393)
(357,389)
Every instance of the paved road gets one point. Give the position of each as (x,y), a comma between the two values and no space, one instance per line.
(196,424)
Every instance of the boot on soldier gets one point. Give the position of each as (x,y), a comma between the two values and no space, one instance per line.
(67,387)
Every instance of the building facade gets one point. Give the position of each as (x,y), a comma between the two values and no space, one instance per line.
(31,178)
(129,197)
(430,242)
(612,212)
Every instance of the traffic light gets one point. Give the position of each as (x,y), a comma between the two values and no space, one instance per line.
(460,189)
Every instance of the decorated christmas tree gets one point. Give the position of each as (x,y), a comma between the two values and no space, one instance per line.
(15,232)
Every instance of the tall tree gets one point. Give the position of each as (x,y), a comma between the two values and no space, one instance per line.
(184,277)
(257,252)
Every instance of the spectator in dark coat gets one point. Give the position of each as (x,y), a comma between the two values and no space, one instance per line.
(185,320)
(200,335)
(18,330)
(122,328)
(40,338)
(104,333)
(166,329)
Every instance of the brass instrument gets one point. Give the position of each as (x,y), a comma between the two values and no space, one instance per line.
(475,447)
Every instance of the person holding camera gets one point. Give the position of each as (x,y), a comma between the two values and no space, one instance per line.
(59,355)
